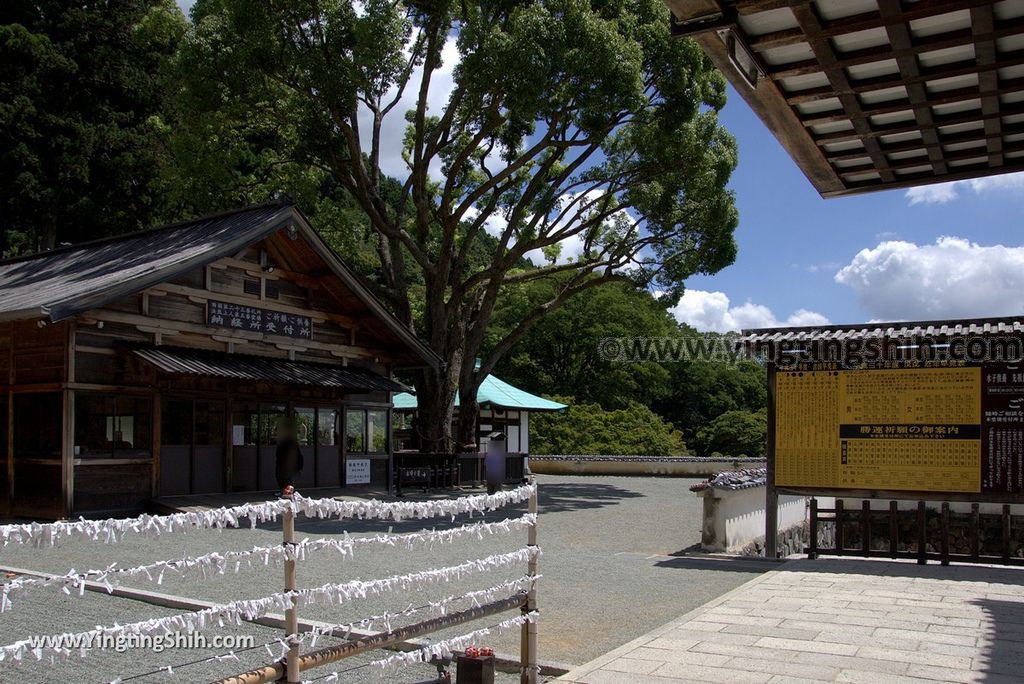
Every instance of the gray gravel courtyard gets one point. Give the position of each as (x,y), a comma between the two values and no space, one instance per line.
(611,572)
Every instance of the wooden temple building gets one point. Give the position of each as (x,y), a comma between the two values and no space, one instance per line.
(163,363)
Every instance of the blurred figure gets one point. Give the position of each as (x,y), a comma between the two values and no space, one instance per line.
(288,458)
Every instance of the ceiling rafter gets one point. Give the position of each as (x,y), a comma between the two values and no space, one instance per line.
(938,99)
(903,46)
(982,19)
(809,22)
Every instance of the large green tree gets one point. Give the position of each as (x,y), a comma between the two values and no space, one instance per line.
(561,122)
(81,145)
(703,389)
(566,353)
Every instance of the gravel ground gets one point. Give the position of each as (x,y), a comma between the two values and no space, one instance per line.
(612,570)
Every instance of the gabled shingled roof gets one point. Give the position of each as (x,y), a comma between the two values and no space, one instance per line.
(64,282)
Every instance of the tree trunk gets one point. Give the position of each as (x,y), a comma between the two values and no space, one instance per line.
(435,406)
(466,433)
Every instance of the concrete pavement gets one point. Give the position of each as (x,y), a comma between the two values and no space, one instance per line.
(838,620)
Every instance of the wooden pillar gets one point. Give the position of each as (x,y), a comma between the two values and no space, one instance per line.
(528,636)
(157,438)
(10,451)
(812,530)
(229,442)
(944,544)
(291,615)
(865,527)
(67,453)
(771,503)
(894,528)
(67,447)
(922,533)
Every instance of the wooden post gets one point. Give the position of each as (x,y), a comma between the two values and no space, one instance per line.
(922,533)
(1006,533)
(291,616)
(840,537)
(894,529)
(865,527)
(975,532)
(945,533)
(528,636)
(812,531)
(771,497)
(347,649)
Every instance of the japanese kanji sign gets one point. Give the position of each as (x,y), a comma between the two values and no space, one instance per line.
(255,319)
(930,429)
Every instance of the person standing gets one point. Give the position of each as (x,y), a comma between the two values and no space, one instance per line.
(288,458)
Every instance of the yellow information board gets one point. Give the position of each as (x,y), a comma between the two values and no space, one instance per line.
(906,429)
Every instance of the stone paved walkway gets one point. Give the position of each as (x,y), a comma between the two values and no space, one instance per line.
(838,620)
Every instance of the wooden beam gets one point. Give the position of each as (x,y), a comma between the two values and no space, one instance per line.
(877,53)
(857,22)
(202,296)
(949,120)
(944,139)
(906,58)
(912,181)
(982,20)
(961,68)
(911,162)
(809,22)
(769,104)
(167,327)
(1013,85)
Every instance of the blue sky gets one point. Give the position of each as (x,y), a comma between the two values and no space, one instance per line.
(941,251)
(801,253)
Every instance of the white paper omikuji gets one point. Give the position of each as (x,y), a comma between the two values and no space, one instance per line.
(444,649)
(216,563)
(236,612)
(112,530)
(510,588)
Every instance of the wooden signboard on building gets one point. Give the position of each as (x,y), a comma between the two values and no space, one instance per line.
(956,429)
(908,410)
(256,319)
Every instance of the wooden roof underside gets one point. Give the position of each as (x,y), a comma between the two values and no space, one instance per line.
(875,94)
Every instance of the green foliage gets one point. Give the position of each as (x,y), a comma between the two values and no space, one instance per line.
(588,429)
(563,353)
(82,143)
(735,433)
(703,390)
(567,120)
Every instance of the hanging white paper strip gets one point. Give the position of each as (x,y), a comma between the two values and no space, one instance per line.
(236,612)
(446,648)
(216,563)
(112,530)
(310,638)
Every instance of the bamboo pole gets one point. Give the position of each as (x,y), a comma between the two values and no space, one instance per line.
(291,615)
(528,636)
(331,654)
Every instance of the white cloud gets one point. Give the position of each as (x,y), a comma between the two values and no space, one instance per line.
(941,193)
(713,311)
(952,278)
